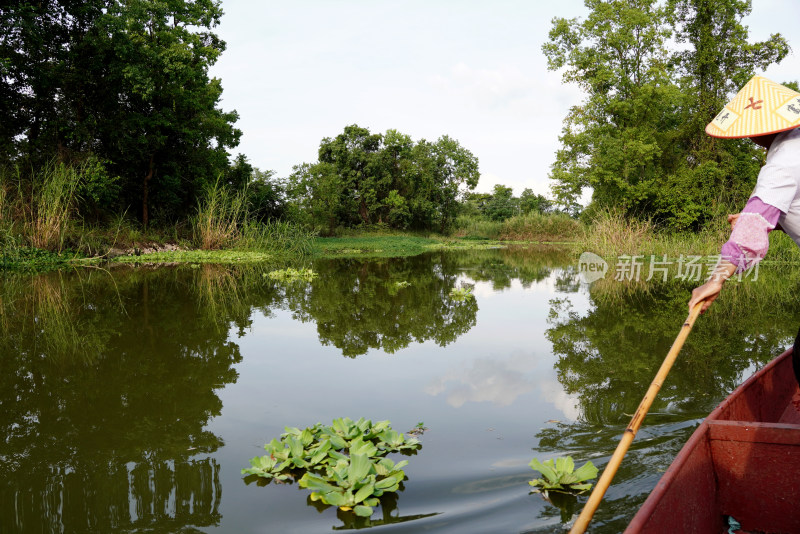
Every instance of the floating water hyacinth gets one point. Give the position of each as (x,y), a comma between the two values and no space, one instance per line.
(343,464)
(562,476)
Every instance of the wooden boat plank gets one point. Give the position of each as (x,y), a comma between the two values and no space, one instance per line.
(756,469)
(686,495)
(746,431)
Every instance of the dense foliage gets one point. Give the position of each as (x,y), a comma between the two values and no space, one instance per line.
(125,83)
(501,204)
(108,109)
(362,178)
(637,140)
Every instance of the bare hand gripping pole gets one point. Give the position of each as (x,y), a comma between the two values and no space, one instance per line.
(627,437)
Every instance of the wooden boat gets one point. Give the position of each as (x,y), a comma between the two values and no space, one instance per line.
(743,461)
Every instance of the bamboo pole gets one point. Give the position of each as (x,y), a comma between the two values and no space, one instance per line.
(627,437)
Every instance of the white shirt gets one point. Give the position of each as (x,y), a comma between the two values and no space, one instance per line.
(779,181)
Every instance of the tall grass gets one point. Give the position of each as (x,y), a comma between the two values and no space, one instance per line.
(36,210)
(223,220)
(8,241)
(530,227)
(467,226)
(221,213)
(52,201)
(277,236)
(611,234)
(556,227)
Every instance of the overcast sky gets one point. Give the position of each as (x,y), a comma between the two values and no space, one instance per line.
(300,70)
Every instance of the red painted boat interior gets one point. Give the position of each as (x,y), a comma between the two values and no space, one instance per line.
(742,461)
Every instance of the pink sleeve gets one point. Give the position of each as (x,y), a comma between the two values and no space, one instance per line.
(749,240)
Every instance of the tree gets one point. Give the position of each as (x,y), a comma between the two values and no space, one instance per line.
(712,174)
(502,204)
(126,81)
(354,157)
(397,163)
(454,172)
(175,132)
(719,61)
(533,203)
(613,141)
(637,139)
(364,178)
(316,194)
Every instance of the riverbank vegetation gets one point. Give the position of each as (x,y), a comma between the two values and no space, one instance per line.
(114,144)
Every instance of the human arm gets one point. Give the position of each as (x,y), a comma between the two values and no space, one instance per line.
(747,246)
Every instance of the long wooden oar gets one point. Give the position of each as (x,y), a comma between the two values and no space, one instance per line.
(627,437)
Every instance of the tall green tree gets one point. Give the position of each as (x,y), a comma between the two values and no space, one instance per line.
(448,171)
(502,204)
(530,202)
(174,131)
(315,194)
(718,61)
(364,178)
(125,80)
(397,162)
(637,139)
(714,175)
(354,156)
(612,141)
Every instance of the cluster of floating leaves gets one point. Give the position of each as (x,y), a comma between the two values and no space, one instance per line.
(290,274)
(343,464)
(562,476)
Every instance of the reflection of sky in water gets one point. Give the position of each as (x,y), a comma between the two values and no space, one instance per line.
(501,381)
(501,378)
(486,380)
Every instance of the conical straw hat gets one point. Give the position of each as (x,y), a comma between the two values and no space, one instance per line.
(761,107)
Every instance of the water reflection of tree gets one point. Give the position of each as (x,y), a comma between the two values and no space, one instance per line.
(608,356)
(383,304)
(527,265)
(105,388)
(388,304)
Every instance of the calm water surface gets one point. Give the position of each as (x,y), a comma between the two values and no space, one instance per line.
(130,399)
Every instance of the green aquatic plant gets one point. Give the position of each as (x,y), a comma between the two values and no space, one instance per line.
(355,482)
(344,464)
(291,274)
(461,294)
(561,476)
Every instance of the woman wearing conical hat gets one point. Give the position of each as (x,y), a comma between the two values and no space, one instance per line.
(768,114)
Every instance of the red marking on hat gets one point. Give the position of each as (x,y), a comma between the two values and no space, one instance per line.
(754,105)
